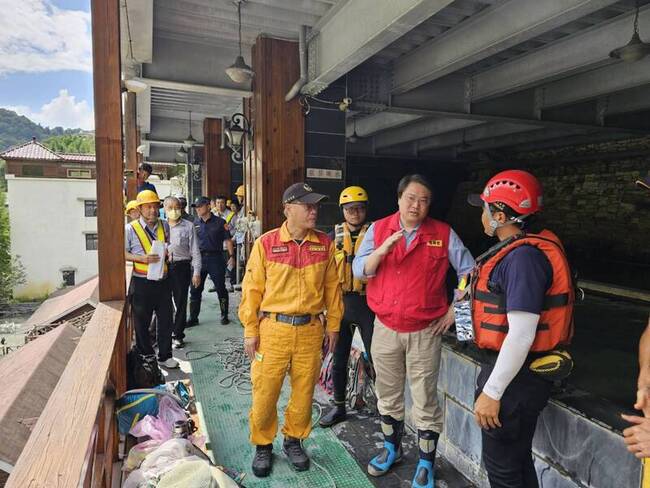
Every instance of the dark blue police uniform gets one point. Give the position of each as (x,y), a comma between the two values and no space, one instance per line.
(211,235)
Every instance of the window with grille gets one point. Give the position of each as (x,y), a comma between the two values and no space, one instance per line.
(79,173)
(90,208)
(91,242)
(68,277)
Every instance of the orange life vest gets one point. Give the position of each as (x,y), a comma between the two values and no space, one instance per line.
(489,308)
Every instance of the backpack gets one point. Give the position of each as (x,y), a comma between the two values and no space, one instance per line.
(142,371)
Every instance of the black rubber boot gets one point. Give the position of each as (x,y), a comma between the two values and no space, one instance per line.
(195,309)
(223,304)
(334,416)
(292,447)
(263,461)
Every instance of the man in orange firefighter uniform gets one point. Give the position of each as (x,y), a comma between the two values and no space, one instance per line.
(291,281)
(348,236)
(522,308)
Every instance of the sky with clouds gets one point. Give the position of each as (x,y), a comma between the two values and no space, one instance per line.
(46,61)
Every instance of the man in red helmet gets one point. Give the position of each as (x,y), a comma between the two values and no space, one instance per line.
(522,307)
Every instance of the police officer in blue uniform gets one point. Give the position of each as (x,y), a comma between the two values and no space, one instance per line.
(212,232)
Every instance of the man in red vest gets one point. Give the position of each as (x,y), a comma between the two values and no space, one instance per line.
(405,258)
(522,308)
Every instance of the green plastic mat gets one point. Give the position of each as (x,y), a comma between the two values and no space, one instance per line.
(225,413)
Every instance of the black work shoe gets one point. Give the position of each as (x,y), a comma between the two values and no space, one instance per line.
(225,320)
(178,343)
(333,417)
(292,447)
(192,323)
(263,461)
(212,290)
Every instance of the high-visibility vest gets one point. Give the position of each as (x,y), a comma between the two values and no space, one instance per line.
(489,317)
(230,216)
(344,255)
(141,269)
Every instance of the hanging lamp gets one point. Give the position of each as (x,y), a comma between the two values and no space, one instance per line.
(634,50)
(239,71)
(189,140)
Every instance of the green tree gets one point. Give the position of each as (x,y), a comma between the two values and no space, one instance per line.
(12,272)
(71,143)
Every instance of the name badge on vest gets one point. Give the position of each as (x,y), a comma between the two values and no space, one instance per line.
(279,249)
(434,243)
(315,248)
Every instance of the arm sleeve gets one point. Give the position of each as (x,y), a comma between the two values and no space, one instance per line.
(195,251)
(521,334)
(127,238)
(459,256)
(333,294)
(366,248)
(253,288)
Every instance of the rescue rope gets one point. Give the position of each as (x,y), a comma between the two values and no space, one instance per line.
(232,358)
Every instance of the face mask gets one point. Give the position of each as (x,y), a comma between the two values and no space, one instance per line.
(174,214)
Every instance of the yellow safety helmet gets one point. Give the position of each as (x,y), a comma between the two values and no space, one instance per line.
(147,196)
(130,206)
(353,194)
(240,191)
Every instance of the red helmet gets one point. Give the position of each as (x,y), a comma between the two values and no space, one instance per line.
(518,189)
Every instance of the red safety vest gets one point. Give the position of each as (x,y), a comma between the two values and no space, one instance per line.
(409,290)
(489,308)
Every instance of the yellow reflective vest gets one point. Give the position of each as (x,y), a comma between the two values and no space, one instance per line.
(344,255)
(141,269)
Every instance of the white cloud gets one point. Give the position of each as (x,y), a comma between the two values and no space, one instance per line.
(38,37)
(62,110)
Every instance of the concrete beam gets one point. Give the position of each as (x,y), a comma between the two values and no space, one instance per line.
(373,123)
(632,100)
(357,31)
(143,110)
(586,50)
(196,88)
(512,139)
(176,144)
(596,83)
(491,118)
(495,29)
(484,131)
(420,130)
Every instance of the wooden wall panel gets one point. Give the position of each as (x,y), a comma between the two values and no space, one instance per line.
(217,160)
(132,141)
(277,160)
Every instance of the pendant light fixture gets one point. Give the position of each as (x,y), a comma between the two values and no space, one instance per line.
(182,153)
(239,71)
(189,140)
(634,50)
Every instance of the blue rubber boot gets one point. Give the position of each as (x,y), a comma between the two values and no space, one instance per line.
(392,450)
(423,477)
(427,444)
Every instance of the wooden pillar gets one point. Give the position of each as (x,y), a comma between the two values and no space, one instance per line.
(132,141)
(216,160)
(277,159)
(108,148)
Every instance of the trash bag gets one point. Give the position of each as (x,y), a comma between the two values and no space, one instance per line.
(142,371)
(188,474)
(138,453)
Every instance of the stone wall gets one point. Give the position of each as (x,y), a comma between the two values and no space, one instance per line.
(570,450)
(591,202)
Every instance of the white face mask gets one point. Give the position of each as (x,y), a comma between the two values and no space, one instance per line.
(174,214)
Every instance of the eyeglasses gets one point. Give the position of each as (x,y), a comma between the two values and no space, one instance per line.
(309,207)
(355,208)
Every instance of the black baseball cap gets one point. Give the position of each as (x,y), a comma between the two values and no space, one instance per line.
(301,193)
(200,201)
(644,182)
